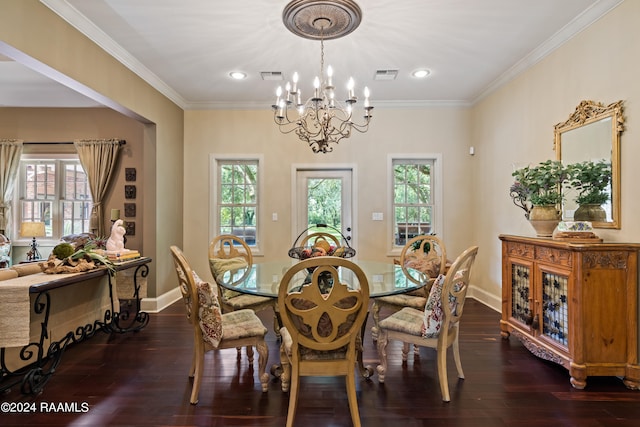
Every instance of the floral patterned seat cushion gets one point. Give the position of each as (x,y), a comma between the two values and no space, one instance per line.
(246,301)
(426,323)
(242,324)
(408,321)
(426,263)
(219,266)
(405,300)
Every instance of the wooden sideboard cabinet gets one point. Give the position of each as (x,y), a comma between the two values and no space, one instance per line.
(575,304)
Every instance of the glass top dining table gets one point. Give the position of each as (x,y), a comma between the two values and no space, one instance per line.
(384,278)
(264,278)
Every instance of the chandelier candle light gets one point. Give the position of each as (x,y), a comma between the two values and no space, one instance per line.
(320,120)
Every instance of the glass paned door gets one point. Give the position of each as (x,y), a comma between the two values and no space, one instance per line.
(324,197)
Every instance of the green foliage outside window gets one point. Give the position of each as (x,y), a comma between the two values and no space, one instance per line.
(324,200)
(238,200)
(412,198)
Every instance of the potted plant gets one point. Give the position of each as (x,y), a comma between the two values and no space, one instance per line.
(591,180)
(538,191)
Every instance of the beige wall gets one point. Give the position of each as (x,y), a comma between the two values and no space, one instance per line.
(515,125)
(426,131)
(68,124)
(55,48)
(512,125)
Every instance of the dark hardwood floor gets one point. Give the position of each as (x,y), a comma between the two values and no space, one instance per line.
(140,379)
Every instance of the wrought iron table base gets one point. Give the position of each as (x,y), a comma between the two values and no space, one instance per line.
(33,377)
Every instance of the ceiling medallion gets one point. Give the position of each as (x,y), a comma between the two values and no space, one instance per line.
(318,19)
(321,120)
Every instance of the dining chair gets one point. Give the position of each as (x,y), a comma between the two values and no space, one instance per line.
(312,238)
(230,252)
(322,332)
(425,253)
(213,330)
(436,326)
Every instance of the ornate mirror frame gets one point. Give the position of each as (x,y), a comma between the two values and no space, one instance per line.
(593,132)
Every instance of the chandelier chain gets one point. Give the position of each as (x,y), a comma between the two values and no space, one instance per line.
(322,120)
(322,54)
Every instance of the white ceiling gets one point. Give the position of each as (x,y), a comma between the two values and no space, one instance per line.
(186,48)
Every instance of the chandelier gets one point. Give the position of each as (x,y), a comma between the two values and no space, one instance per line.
(320,120)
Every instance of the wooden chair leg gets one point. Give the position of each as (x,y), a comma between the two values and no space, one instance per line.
(456,357)
(293,397)
(276,323)
(352,397)
(405,351)
(375,313)
(442,373)
(197,378)
(285,376)
(382,354)
(249,351)
(263,356)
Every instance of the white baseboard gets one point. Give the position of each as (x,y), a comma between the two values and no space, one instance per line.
(486,298)
(156,305)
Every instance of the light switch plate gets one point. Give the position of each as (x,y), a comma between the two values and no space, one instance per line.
(377,216)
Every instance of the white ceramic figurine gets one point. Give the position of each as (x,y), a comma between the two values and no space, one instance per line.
(115,243)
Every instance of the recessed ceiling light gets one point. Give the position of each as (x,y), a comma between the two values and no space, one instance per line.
(238,75)
(422,73)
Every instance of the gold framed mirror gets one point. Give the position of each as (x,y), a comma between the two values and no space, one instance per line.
(592,134)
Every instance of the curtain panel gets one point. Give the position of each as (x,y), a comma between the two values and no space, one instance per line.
(10,152)
(98,158)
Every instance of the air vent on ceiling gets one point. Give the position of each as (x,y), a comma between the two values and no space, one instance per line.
(386,75)
(271,75)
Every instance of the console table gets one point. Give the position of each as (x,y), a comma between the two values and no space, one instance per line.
(575,304)
(38,358)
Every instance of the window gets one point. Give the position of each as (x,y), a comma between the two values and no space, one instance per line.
(237,199)
(56,192)
(414,198)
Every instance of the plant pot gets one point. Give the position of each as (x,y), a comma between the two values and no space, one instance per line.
(544,219)
(590,213)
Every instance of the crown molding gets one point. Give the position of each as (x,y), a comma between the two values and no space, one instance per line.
(256,105)
(566,33)
(77,20)
(86,27)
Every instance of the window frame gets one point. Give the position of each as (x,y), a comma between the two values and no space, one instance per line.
(59,159)
(215,164)
(437,220)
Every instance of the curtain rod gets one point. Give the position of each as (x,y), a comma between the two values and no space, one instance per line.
(122,142)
